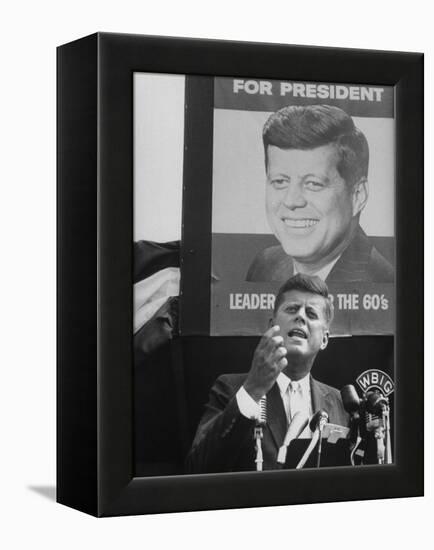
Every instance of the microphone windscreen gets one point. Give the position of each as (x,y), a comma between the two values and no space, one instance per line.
(350,399)
(263,410)
(316,419)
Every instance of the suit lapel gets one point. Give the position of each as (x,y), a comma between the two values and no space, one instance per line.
(276,417)
(321,398)
(352,265)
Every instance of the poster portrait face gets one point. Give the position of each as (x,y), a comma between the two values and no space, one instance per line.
(310,208)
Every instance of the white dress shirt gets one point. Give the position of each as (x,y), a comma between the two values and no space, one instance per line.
(295,397)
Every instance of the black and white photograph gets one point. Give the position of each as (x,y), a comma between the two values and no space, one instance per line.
(294,368)
(216,276)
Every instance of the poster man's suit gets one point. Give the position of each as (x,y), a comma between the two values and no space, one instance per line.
(360,262)
(224,438)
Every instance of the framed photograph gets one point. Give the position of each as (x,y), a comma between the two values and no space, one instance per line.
(240,274)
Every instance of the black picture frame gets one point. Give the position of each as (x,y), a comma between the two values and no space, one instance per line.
(95,204)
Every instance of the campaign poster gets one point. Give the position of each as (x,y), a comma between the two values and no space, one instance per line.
(303,182)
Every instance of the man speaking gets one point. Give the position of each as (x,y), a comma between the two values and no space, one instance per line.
(316,163)
(280,372)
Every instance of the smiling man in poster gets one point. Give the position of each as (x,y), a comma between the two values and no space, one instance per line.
(316,164)
(303,182)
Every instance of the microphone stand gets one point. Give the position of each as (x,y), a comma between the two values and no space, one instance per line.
(379,436)
(295,428)
(375,424)
(258,433)
(308,451)
(318,457)
(355,437)
(322,423)
(317,423)
(386,424)
(259,460)
(380,425)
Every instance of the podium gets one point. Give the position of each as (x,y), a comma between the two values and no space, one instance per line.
(335,449)
(332,454)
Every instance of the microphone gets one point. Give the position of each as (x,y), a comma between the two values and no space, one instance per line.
(316,424)
(319,420)
(262,420)
(297,425)
(376,403)
(350,400)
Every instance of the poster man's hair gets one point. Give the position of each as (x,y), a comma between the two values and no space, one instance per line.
(306,283)
(311,126)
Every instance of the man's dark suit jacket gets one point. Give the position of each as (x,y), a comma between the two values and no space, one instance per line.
(360,262)
(224,439)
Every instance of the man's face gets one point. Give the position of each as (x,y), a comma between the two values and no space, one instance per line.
(309,206)
(301,317)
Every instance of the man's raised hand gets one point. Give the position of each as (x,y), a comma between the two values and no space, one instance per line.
(268,361)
